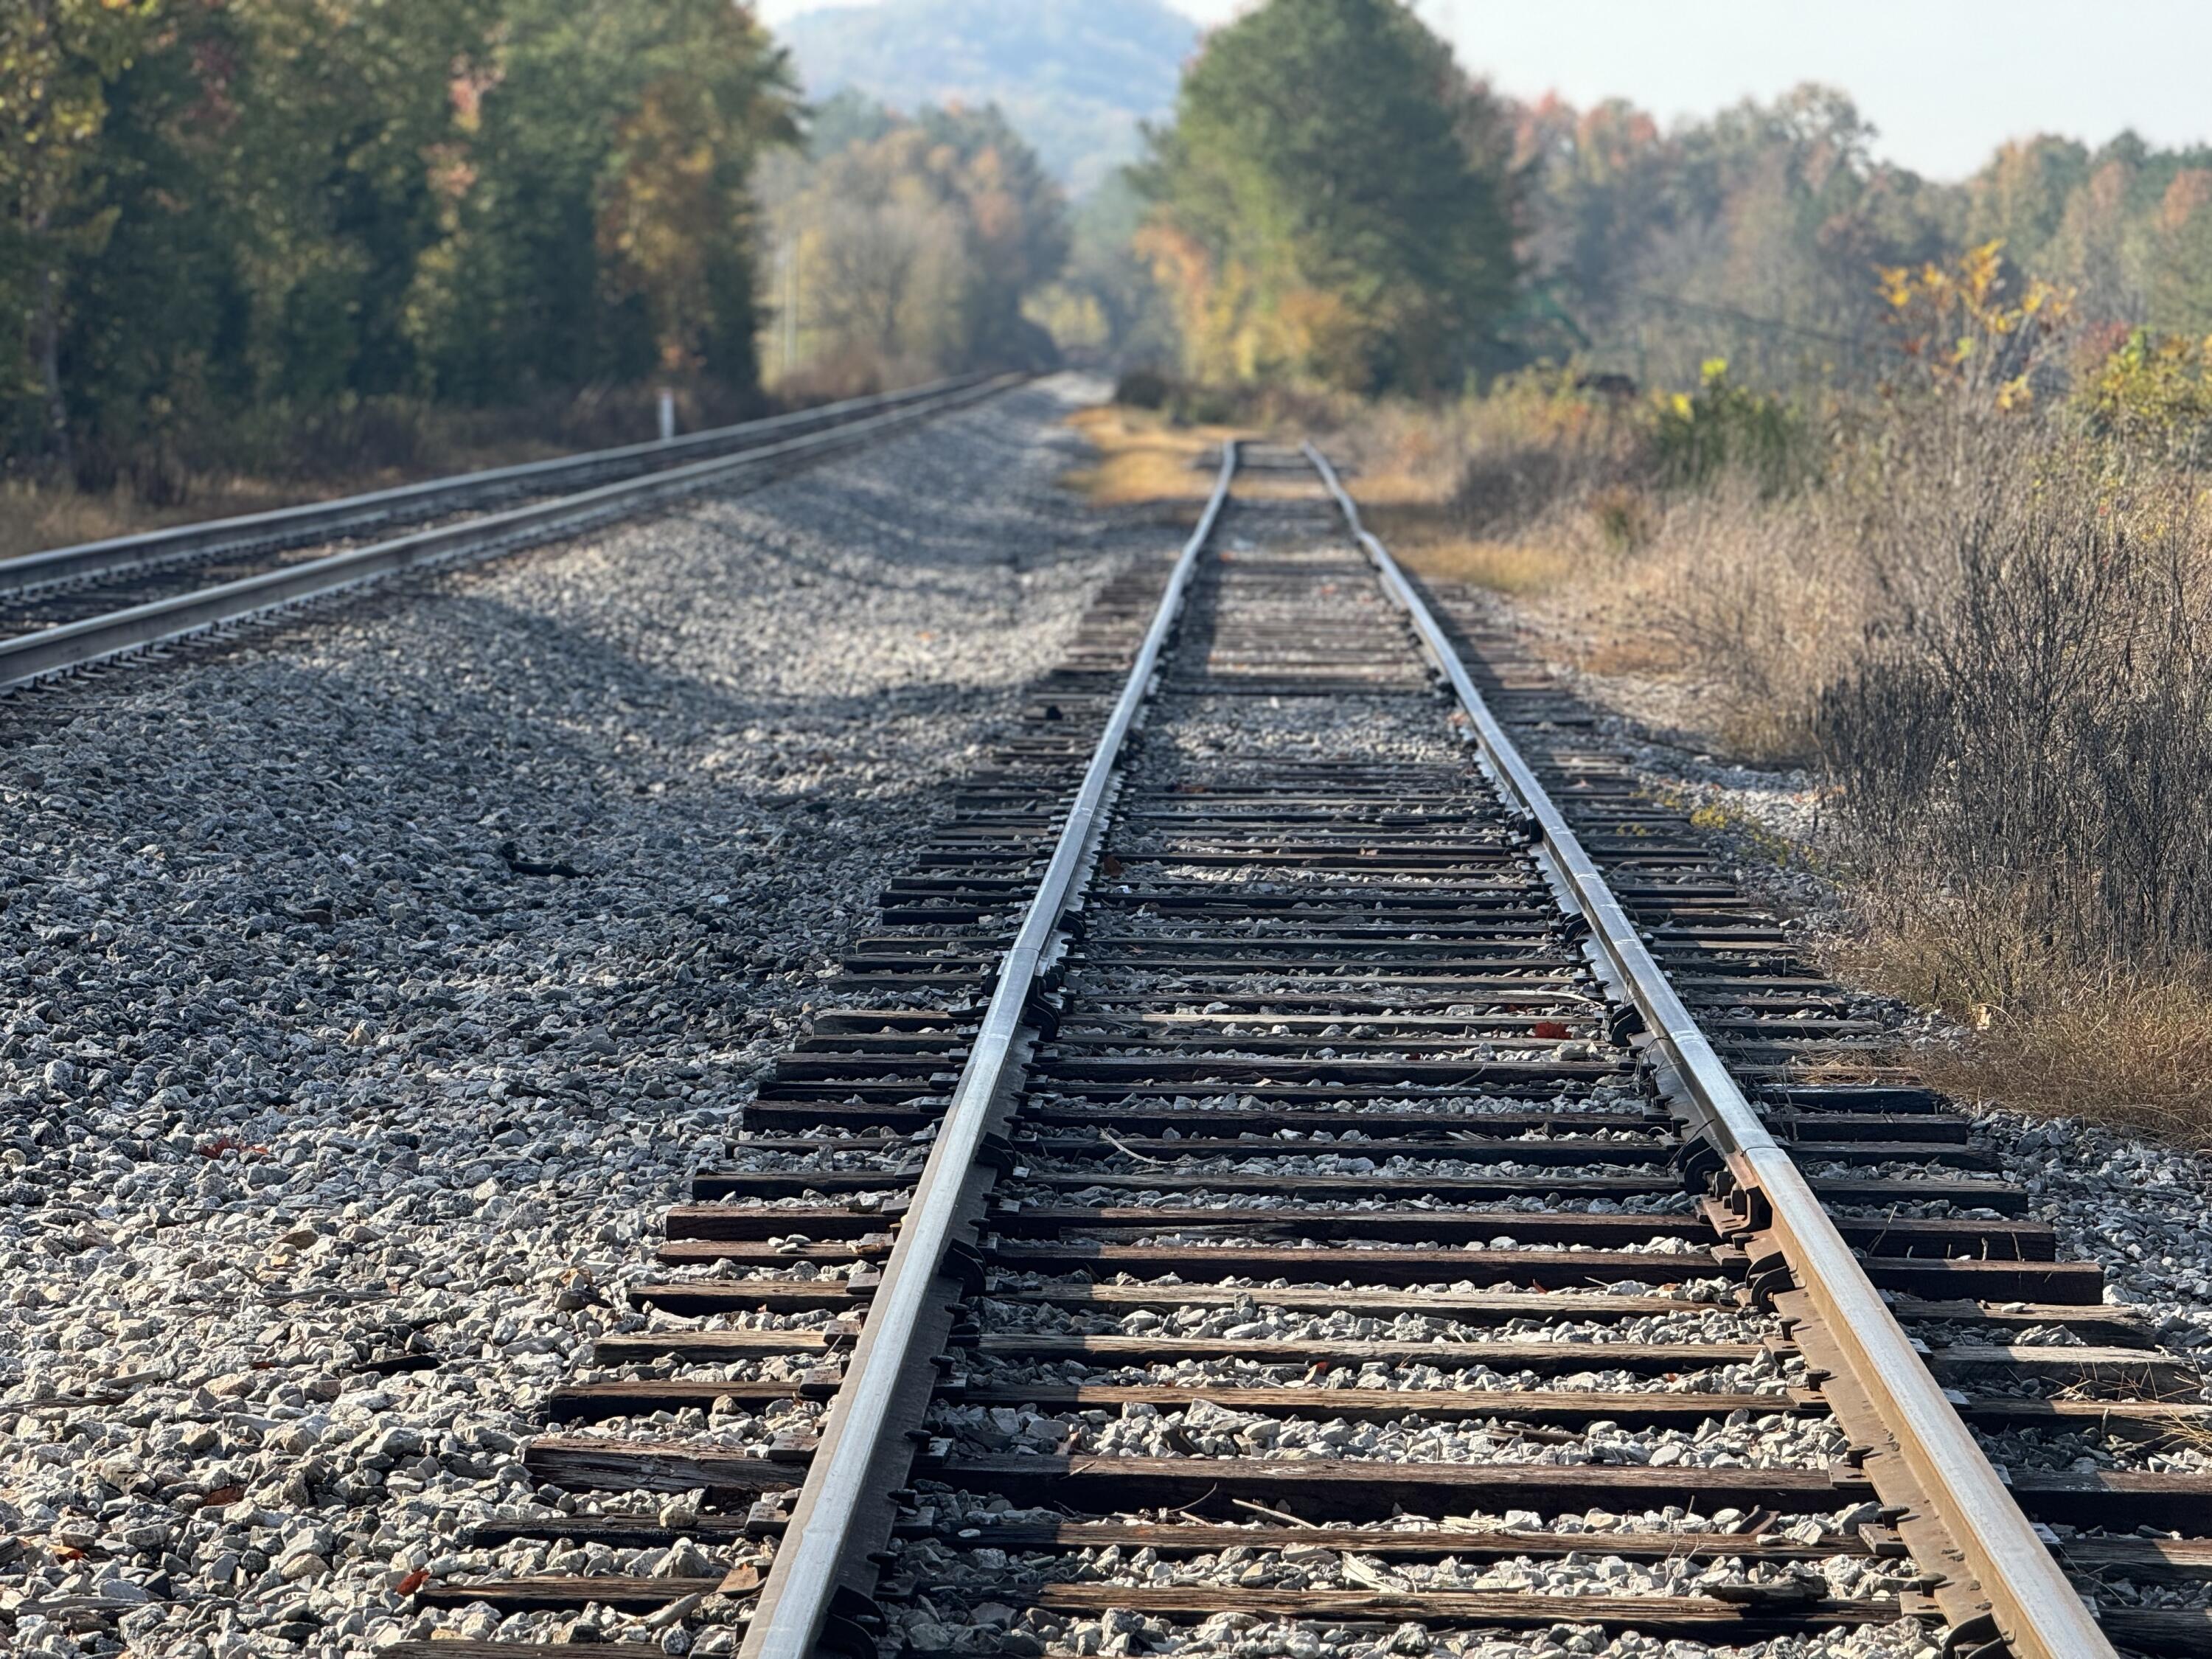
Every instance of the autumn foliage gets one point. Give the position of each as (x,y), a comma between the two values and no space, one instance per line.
(226,220)
(1331,202)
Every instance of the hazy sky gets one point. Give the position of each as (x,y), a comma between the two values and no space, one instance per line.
(1945,81)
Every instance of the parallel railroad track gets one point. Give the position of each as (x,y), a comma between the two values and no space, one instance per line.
(73,608)
(1278,1181)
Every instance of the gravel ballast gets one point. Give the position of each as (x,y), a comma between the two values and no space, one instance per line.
(2139,1208)
(368,986)
(1460,1411)
(372,987)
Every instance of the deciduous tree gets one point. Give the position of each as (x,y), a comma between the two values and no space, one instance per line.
(57,58)
(911,244)
(1332,202)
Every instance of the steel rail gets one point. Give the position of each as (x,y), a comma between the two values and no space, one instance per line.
(2036,1611)
(795,1601)
(294,526)
(29,659)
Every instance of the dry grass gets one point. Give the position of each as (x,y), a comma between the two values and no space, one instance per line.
(1536,491)
(2112,1043)
(1994,636)
(1438,553)
(1520,568)
(1144,460)
(34,518)
(1638,656)
(1402,477)
(1147,460)
(1403,461)
(283,458)
(1937,613)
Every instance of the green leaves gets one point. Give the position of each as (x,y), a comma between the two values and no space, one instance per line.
(1330,201)
(209,212)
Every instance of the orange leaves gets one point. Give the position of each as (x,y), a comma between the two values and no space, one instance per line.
(2188,194)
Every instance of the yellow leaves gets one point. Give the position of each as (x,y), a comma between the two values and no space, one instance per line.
(1960,322)
(1980,273)
(2156,387)
(666,216)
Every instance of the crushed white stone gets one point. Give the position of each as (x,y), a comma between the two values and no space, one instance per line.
(305,1080)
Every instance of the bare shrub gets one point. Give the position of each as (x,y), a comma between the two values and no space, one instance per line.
(1541,445)
(2036,728)
(2023,757)
(1990,627)
(1144,388)
(1505,490)
(1766,606)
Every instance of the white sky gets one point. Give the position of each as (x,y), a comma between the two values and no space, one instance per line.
(1945,81)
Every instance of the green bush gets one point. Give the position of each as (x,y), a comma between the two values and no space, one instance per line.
(1721,425)
(2155,391)
(1144,388)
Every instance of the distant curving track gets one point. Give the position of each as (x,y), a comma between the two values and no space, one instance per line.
(1309,1166)
(75,607)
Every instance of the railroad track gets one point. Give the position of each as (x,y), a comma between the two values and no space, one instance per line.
(1309,1165)
(71,609)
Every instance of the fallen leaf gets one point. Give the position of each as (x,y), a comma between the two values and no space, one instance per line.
(413,1582)
(1551,1029)
(222,1495)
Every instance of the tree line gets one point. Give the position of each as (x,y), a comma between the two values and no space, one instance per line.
(225,210)
(226,225)
(906,245)
(1758,234)
(1336,202)
(222,222)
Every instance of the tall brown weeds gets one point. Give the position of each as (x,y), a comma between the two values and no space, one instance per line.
(2022,752)
(2035,724)
(1989,628)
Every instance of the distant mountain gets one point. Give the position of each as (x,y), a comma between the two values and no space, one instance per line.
(1074,76)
